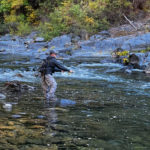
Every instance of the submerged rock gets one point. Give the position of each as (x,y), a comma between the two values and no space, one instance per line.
(2,127)
(19,75)
(2,50)
(16,116)
(105,33)
(2,96)
(16,86)
(41,117)
(67,102)
(37,127)
(7,107)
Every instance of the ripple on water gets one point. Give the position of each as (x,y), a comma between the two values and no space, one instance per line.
(13,75)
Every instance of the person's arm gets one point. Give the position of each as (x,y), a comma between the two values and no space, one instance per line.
(57,69)
(59,66)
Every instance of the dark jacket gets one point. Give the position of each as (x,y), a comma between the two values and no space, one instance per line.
(54,66)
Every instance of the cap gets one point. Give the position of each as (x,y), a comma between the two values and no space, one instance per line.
(52,52)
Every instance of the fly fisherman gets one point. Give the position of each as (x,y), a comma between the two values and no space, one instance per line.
(50,66)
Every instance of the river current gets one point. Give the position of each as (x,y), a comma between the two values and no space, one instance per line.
(98,107)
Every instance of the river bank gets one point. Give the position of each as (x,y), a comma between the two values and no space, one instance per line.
(70,46)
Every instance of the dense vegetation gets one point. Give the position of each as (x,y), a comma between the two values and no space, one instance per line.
(55,17)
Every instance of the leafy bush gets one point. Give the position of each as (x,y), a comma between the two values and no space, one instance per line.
(4,29)
(56,17)
(22,29)
(55,27)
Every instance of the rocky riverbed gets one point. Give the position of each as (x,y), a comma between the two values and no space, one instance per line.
(104,104)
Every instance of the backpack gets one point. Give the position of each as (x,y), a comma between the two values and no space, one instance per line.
(43,67)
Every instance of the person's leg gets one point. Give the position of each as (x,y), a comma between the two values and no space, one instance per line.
(52,85)
(44,85)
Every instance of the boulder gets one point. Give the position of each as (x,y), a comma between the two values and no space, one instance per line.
(39,39)
(97,37)
(7,107)
(16,86)
(147,69)
(75,39)
(59,42)
(19,75)
(2,50)
(137,42)
(2,96)
(134,61)
(105,33)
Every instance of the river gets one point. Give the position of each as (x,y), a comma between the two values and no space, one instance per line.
(99,107)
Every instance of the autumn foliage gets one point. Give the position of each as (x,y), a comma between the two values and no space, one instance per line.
(55,17)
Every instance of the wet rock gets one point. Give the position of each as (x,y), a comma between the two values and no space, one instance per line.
(2,50)
(19,75)
(58,109)
(147,69)
(59,128)
(33,121)
(134,61)
(59,42)
(2,127)
(128,71)
(39,39)
(40,117)
(48,147)
(66,102)
(36,141)
(5,37)
(66,51)
(2,96)
(16,86)
(37,127)
(75,39)
(10,123)
(16,116)
(28,42)
(97,37)
(8,146)
(13,39)
(138,42)
(80,142)
(7,107)
(17,140)
(105,33)
(37,98)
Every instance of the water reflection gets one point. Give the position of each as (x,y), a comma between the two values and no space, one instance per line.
(50,112)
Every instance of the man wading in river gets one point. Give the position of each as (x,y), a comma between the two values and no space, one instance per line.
(50,66)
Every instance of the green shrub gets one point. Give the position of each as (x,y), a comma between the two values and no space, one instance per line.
(22,29)
(55,27)
(4,29)
(56,17)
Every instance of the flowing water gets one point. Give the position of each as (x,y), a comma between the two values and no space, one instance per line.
(98,107)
